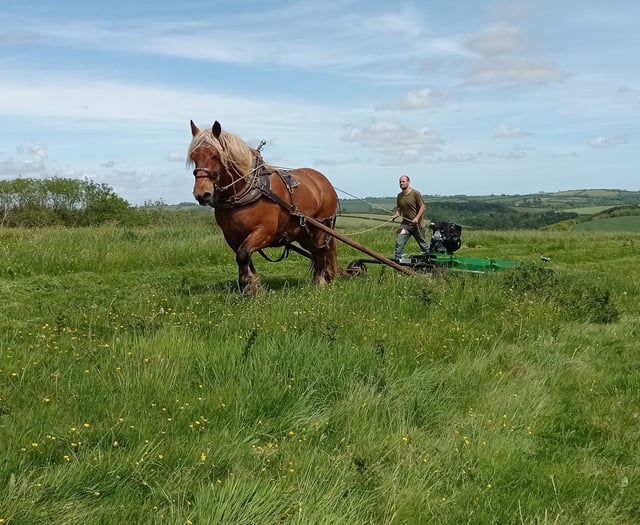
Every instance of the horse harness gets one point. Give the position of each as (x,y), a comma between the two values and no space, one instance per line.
(260,187)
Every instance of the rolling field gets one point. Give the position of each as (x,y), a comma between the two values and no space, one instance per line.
(138,386)
(612,224)
(589,210)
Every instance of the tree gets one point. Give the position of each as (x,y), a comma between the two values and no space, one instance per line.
(71,202)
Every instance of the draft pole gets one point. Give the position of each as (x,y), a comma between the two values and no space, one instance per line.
(360,247)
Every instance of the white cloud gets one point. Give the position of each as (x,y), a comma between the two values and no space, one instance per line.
(81,98)
(505,131)
(418,99)
(506,60)
(351,40)
(31,162)
(175,157)
(337,162)
(509,73)
(396,142)
(12,168)
(608,142)
(49,94)
(570,155)
(36,152)
(513,154)
(625,90)
(457,158)
(497,40)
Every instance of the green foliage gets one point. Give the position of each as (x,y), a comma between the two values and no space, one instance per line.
(493,216)
(531,277)
(60,201)
(619,211)
(138,386)
(580,299)
(565,225)
(478,214)
(589,302)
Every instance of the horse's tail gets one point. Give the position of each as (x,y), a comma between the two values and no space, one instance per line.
(324,260)
(333,268)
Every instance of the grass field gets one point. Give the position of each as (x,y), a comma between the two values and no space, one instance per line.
(589,210)
(611,224)
(138,386)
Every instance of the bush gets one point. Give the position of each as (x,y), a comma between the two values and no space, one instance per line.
(588,302)
(531,278)
(58,201)
(580,301)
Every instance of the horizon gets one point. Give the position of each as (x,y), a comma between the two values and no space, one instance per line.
(492,98)
(458,195)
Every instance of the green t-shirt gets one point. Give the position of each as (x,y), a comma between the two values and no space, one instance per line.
(409,204)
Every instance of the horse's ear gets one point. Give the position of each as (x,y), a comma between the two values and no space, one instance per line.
(194,129)
(216,129)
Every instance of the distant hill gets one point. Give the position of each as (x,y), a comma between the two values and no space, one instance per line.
(513,211)
(611,224)
(543,201)
(594,209)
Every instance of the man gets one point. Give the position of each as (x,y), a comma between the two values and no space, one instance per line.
(410,208)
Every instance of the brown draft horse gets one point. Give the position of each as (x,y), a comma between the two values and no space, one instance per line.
(259,206)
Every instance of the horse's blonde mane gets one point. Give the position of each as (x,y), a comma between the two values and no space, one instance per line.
(233,151)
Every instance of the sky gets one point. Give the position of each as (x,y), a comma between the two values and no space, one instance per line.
(465,97)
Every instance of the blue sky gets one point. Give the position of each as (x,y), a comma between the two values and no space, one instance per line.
(481,97)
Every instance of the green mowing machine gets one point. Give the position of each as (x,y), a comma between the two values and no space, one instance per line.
(445,241)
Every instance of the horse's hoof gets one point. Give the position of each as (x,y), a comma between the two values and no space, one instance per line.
(252,289)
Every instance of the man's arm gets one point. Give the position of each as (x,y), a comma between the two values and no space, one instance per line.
(397,212)
(421,209)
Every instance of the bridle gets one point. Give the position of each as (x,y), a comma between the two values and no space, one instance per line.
(214,176)
(208,174)
(253,184)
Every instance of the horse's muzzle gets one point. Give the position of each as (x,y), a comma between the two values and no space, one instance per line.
(204,199)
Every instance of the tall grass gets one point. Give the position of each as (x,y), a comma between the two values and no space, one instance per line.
(137,385)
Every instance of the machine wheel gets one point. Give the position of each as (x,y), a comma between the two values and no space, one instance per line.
(356,268)
(422,267)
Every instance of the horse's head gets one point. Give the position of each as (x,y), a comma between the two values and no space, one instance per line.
(224,164)
(205,157)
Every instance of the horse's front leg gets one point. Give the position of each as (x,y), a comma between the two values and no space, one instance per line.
(248,279)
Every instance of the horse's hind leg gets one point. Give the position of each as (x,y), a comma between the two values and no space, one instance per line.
(324,261)
(320,275)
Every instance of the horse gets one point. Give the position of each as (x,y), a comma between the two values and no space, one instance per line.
(258,205)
